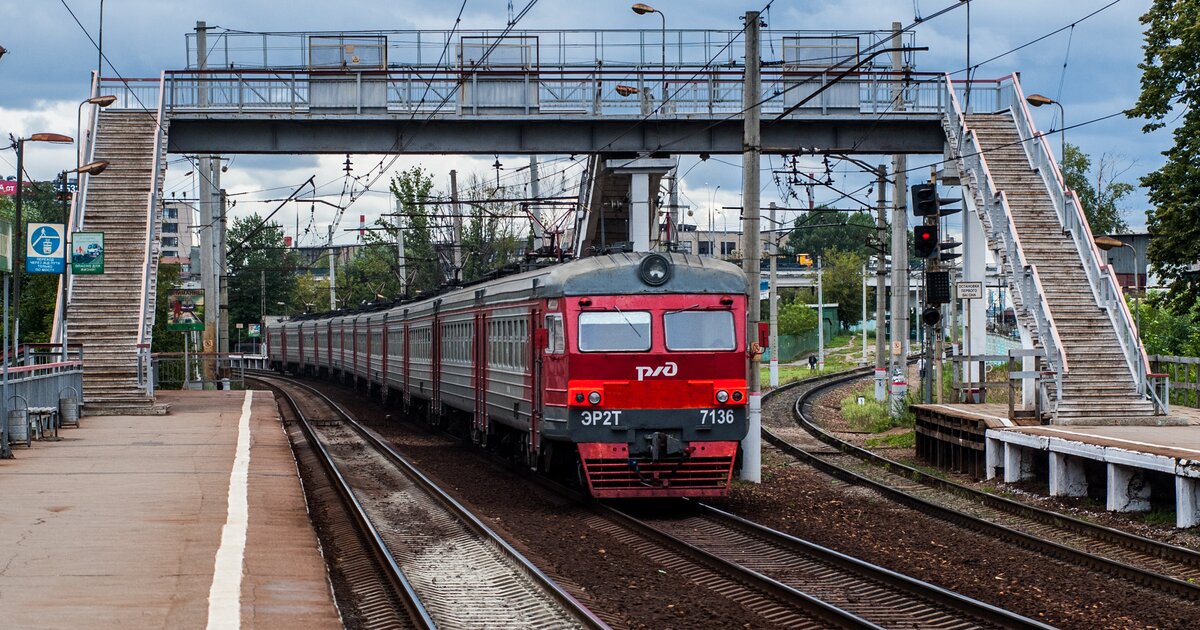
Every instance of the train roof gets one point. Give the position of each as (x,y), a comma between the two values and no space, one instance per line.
(621,274)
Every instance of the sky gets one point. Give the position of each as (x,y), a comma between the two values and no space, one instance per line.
(1091,68)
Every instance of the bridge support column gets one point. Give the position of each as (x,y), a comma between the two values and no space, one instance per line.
(1187,501)
(641,202)
(1128,489)
(1018,463)
(975,311)
(1067,477)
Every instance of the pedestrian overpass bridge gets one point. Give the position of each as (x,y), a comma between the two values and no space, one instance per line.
(609,95)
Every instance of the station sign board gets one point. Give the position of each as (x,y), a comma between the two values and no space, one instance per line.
(6,249)
(185,309)
(255,330)
(45,248)
(972,290)
(87,253)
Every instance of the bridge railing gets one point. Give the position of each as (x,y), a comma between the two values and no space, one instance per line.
(1101,276)
(597,91)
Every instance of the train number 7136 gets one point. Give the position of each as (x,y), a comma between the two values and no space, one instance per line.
(716,416)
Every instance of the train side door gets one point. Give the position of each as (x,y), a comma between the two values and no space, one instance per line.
(435,361)
(480,340)
(537,347)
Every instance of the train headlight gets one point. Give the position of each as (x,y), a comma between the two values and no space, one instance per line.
(579,397)
(722,396)
(655,270)
(737,396)
(594,398)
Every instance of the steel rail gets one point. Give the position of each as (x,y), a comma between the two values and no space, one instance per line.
(582,614)
(389,566)
(1107,535)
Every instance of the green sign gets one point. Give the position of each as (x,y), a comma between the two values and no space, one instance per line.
(185,309)
(255,331)
(5,247)
(87,253)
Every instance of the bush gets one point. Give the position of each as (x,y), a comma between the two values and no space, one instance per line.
(872,416)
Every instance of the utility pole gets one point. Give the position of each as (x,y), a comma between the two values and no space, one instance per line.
(773,304)
(456,210)
(535,189)
(751,154)
(332,269)
(880,282)
(899,242)
(400,259)
(222,271)
(820,317)
(864,313)
(262,290)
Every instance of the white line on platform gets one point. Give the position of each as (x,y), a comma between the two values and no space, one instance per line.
(224,597)
(1117,439)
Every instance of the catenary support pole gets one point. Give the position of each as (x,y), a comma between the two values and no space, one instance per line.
(820,316)
(456,210)
(332,272)
(899,329)
(773,303)
(880,283)
(751,153)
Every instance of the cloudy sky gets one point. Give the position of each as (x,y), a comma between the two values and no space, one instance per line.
(1091,67)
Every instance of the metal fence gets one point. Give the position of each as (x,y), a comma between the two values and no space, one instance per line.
(41,385)
(203,370)
(1183,374)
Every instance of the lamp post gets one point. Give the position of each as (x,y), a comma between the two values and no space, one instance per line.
(17,239)
(1106,243)
(1037,100)
(643,9)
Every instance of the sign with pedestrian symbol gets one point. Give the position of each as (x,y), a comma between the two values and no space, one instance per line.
(255,330)
(44,248)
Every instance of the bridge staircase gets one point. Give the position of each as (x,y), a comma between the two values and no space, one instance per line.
(606,207)
(1062,292)
(112,314)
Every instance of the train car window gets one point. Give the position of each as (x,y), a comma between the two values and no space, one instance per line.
(555,340)
(607,331)
(699,330)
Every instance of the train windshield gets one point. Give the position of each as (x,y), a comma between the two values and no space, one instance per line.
(609,331)
(700,330)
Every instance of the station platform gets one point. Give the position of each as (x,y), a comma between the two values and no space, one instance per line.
(1131,467)
(190,520)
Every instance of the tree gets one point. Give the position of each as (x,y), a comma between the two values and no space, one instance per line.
(842,284)
(797,318)
(1100,201)
(1170,67)
(491,237)
(819,232)
(260,269)
(373,274)
(411,188)
(39,292)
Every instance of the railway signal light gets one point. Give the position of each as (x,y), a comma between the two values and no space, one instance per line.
(931,315)
(926,202)
(937,287)
(925,240)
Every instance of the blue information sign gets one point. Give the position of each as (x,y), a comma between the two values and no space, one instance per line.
(44,248)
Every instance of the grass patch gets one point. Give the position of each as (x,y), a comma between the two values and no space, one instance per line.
(908,439)
(1160,516)
(873,416)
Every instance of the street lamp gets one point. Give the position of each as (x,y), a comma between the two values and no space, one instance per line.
(1037,100)
(643,9)
(17,241)
(1106,243)
(91,168)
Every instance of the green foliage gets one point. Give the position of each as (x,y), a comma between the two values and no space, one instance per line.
(872,416)
(907,439)
(260,269)
(820,232)
(373,274)
(411,188)
(797,318)
(1163,331)
(491,240)
(39,292)
(164,340)
(1169,93)
(1100,201)
(843,284)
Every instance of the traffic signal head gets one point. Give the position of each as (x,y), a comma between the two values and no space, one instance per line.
(925,240)
(925,200)
(931,316)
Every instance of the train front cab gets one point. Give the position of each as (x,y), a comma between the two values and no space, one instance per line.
(652,389)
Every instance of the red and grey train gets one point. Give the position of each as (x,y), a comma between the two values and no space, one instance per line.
(628,368)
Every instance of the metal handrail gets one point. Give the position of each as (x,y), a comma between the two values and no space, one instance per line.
(146,321)
(1029,295)
(1101,277)
(86,155)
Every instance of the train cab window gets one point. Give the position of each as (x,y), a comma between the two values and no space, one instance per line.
(619,331)
(556,341)
(699,330)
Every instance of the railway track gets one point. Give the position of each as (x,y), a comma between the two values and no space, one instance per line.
(449,568)
(1160,566)
(880,597)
